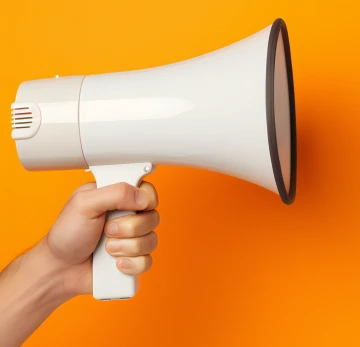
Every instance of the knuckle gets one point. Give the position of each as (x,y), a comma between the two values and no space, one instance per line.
(128,227)
(156,203)
(78,200)
(157,217)
(123,189)
(153,203)
(86,186)
(106,247)
(148,261)
(137,247)
(153,240)
(82,188)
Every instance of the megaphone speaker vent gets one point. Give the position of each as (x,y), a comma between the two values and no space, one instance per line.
(25,120)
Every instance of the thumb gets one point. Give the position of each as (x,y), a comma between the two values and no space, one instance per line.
(121,196)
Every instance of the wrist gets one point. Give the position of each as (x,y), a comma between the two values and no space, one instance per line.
(75,279)
(48,272)
(35,276)
(31,288)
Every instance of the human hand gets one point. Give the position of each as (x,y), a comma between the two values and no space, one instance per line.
(59,266)
(77,231)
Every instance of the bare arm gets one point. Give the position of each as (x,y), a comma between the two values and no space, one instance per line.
(59,266)
(31,288)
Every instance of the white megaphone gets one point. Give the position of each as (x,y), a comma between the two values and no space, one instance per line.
(230,111)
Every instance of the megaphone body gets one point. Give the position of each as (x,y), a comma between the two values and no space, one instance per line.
(230,111)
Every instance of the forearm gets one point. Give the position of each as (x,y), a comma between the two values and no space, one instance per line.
(31,287)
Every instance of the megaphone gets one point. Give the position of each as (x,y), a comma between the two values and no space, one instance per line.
(230,111)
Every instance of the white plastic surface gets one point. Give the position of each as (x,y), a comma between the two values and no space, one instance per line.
(207,112)
(108,282)
(56,144)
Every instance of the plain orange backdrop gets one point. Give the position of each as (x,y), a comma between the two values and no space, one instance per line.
(234,267)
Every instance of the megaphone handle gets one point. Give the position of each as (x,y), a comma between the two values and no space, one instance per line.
(108,282)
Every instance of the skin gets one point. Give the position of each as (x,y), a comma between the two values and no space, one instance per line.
(58,268)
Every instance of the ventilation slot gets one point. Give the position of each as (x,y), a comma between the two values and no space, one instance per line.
(25,120)
(22,118)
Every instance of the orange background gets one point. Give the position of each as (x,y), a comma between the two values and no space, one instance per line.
(234,267)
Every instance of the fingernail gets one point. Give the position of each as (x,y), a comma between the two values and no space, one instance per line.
(141,198)
(126,264)
(112,229)
(114,246)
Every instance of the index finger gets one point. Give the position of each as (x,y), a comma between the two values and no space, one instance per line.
(121,196)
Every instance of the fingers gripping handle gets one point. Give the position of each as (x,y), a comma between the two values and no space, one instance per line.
(108,282)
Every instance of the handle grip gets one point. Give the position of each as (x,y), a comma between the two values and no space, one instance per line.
(108,282)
